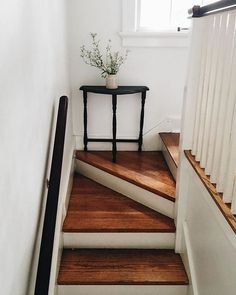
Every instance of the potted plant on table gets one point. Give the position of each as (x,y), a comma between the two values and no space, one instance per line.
(108,65)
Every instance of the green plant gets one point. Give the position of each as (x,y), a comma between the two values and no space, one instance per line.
(110,64)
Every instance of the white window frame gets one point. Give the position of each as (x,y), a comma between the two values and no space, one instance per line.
(131,37)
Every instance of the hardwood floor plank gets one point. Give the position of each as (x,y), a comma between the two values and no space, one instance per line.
(121,267)
(146,169)
(95,208)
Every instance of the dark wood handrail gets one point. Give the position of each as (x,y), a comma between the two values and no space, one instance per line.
(199,11)
(47,241)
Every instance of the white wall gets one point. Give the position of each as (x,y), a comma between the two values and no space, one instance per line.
(210,241)
(33,75)
(162,69)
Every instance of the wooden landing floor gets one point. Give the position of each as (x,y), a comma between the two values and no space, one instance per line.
(96,208)
(146,169)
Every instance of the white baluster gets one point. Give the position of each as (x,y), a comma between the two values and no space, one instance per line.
(209,144)
(216,101)
(231,168)
(193,74)
(204,101)
(233,205)
(230,103)
(212,81)
(200,85)
(223,97)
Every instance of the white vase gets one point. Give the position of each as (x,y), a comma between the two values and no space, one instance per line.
(111,82)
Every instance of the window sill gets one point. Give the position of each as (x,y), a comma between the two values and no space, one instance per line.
(155,39)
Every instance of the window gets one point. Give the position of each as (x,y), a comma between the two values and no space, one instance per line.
(159,15)
(154,23)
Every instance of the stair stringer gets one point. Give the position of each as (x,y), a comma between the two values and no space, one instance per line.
(136,193)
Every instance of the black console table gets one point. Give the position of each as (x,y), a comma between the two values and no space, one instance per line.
(121,90)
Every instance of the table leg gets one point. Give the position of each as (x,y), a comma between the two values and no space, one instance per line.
(114,105)
(140,141)
(85,121)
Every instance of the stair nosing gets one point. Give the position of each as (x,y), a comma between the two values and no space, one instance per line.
(119,231)
(171,283)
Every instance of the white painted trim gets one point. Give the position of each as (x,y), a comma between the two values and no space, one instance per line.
(120,240)
(182,188)
(122,290)
(150,34)
(61,213)
(132,37)
(58,238)
(129,15)
(169,160)
(190,259)
(187,174)
(187,171)
(155,39)
(187,127)
(126,188)
(213,209)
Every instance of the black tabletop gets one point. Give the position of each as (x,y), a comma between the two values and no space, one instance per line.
(119,91)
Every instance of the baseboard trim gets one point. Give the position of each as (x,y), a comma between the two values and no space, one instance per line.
(190,266)
(61,213)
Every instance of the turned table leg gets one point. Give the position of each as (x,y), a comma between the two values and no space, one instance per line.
(114,105)
(85,121)
(140,141)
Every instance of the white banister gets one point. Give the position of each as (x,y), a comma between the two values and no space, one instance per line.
(214,132)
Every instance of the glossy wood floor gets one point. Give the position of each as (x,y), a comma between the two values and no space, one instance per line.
(171,141)
(146,169)
(121,267)
(96,208)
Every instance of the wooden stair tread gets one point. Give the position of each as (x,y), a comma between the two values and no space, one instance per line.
(171,142)
(147,170)
(121,267)
(96,208)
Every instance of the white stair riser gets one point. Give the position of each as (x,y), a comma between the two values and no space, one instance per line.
(126,188)
(169,160)
(122,290)
(120,240)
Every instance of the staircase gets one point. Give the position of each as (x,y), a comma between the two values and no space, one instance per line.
(119,232)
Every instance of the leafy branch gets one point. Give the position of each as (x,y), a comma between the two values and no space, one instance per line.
(109,65)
